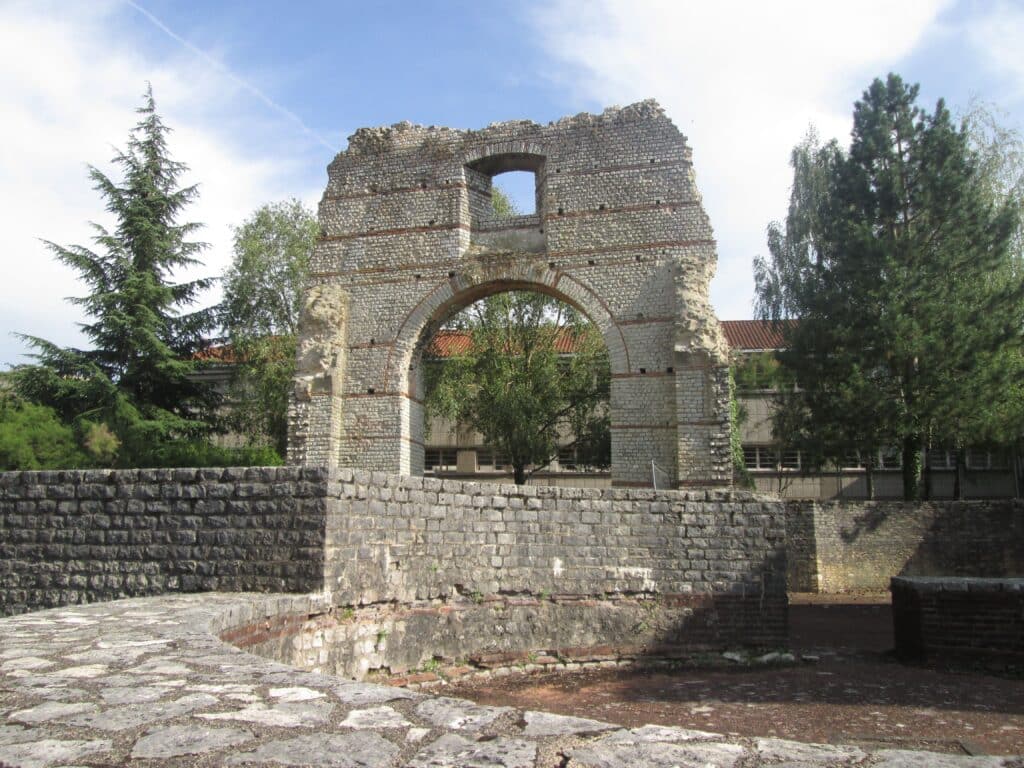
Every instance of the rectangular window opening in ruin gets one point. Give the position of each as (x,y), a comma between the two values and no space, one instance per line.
(514,193)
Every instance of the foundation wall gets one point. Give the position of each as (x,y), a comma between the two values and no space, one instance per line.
(935,618)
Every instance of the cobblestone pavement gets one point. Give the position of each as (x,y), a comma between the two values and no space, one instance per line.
(146,682)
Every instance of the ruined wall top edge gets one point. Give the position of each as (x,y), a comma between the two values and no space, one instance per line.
(406,136)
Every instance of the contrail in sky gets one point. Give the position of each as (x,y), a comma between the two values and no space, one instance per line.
(232,76)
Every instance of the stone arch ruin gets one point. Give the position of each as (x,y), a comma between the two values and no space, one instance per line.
(408,237)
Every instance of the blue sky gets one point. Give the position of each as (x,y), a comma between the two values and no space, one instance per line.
(261,94)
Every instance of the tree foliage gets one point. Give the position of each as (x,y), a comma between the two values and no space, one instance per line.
(33,437)
(135,378)
(501,204)
(262,299)
(896,259)
(516,386)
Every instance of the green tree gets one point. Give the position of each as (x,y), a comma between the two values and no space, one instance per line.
(262,299)
(33,437)
(503,207)
(136,376)
(907,309)
(535,375)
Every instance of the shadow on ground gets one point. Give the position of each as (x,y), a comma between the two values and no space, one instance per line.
(850,690)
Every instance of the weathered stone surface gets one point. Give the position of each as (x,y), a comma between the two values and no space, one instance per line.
(458,714)
(361,694)
(651,733)
(114,534)
(346,750)
(132,716)
(377,717)
(897,758)
(178,740)
(284,715)
(454,750)
(808,754)
(547,724)
(51,710)
(47,752)
(657,755)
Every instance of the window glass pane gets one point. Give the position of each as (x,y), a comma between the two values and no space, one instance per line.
(941,458)
(750,456)
(431,458)
(567,457)
(791,459)
(890,458)
(484,457)
(852,460)
(977,458)
(998,458)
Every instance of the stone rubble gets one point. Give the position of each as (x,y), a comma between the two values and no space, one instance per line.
(159,689)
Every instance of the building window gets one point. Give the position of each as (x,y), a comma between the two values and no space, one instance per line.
(890,458)
(941,458)
(440,459)
(853,460)
(791,459)
(491,458)
(761,457)
(986,458)
(567,457)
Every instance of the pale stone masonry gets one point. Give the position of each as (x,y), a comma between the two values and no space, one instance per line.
(408,238)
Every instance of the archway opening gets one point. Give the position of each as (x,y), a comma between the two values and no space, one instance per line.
(515,388)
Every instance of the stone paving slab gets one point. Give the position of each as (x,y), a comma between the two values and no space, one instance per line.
(146,682)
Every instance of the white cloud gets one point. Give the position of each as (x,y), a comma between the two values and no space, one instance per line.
(72,77)
(998,36)
(743,81)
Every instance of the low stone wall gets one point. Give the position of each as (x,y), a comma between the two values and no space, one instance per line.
(859,546)
(965,617)
(444,568)
(693,569)
(84,536)
(428,643)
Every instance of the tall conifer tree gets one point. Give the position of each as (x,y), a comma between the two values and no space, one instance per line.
(907,310)
(135,376)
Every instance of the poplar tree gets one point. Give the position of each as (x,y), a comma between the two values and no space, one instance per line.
(135,377)
(907,307)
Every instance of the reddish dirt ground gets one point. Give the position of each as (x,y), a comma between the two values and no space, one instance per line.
(855,693)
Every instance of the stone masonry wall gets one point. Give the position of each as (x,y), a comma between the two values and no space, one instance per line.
(84,536)
(399,538)
(959,617)
(620,232)
(859,546)
(550,568)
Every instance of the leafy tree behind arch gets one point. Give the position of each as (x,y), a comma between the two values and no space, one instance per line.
(534,373)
